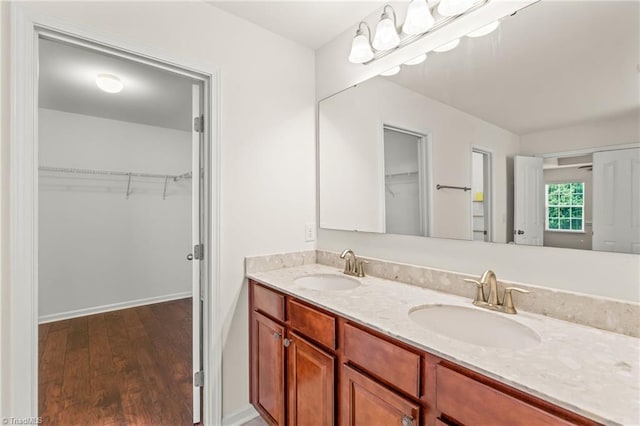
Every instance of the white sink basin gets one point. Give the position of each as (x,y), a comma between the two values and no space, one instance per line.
(327,282)
(474,326)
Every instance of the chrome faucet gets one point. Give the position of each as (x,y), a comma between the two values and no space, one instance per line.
(493,300)
(353,266)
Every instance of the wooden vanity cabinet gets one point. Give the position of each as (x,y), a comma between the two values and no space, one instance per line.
(310,367)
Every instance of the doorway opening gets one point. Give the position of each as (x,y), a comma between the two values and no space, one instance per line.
(123,157)
(406,182)
(481,195)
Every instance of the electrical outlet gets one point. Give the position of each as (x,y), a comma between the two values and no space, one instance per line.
(309,232)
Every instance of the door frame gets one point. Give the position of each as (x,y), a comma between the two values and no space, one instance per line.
(425,177)
(21,380)
(488,183)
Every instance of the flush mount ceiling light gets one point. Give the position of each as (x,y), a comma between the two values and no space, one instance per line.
(361,47)
(483,31)
(447,46)
(109,83)
(417,60)
(391,71)
(419,18)
(386,32)
(454,7)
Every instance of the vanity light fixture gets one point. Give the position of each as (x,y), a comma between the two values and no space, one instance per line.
(447,46)
(361,47)
(386,37)
(419,18)
(454,7)
(391,71)
(109,83)
(417,60)
(483,31)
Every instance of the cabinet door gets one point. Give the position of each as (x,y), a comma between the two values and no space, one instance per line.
(267,368)
(310,373)
(364,402)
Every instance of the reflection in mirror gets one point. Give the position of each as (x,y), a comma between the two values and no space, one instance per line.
(527,135)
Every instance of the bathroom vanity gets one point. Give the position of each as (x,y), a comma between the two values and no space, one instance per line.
(354,357)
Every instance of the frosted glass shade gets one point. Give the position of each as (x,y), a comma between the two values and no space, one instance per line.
(447,46)
(483,31)
(454,7)
(419,18)
(109,83)
(417,60)
(360,50)
(386,34)
(391,71)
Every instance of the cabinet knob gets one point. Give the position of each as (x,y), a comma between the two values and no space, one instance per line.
(277,335)
(407,421)
(286,343)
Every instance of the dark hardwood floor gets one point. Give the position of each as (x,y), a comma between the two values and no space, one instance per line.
(127,367)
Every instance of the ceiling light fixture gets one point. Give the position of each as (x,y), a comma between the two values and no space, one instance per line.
(361,47)
(109,83)
(421,21)
(454,7)
(483,31)
(419,18)
(417,60)
(386,37)
(447,46)
(391,71)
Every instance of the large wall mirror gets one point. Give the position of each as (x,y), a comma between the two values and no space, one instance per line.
(528,135)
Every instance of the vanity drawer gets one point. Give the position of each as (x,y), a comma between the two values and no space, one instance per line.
(268,302)
(312,323)
(393,364)
(468,401)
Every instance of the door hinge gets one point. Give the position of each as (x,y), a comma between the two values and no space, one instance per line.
(198,124)
(198,251)
(198,379)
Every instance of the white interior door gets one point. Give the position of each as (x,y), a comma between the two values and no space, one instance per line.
(196,150)
(529,206)
(616,201)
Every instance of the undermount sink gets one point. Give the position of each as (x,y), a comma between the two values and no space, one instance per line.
(474,326)
(327,282)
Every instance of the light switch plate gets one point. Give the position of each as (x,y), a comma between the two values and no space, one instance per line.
(309,232)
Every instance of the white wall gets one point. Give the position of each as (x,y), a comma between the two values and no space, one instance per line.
(575,270)
(97,248)
(267,136)
(351,155)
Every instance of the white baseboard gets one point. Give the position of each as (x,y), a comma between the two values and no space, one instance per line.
(239,417)
(112,307)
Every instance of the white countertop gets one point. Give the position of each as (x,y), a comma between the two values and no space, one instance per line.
(592,372)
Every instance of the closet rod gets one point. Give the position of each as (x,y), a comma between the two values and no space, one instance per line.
(111,173)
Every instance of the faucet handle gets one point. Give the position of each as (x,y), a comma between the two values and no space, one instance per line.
(480,298)
(360,267)
(507,304)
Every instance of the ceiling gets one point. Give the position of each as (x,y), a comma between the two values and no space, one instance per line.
(310,23)
(551,65)
(150,96)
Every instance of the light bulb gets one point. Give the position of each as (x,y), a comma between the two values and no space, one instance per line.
(419,19)
(391,71)
(386,34)
(360,49)
(109,83)
(417,60)
(487,29)
(454,7)
(447,46)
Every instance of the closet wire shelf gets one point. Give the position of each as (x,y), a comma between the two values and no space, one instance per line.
(129,175)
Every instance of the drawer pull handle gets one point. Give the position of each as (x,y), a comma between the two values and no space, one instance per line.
(407,421)
(286,343)
(277,335)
